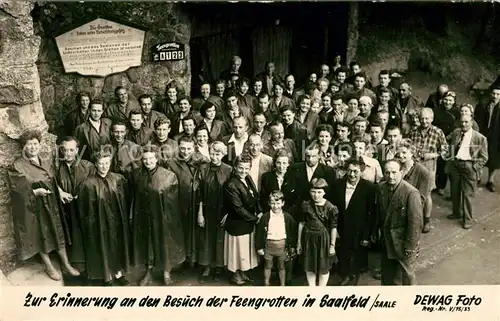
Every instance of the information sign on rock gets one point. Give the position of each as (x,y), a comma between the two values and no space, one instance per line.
(100,48)
(169,51)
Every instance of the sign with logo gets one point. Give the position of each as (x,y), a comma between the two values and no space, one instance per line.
(100,48)
(169,51)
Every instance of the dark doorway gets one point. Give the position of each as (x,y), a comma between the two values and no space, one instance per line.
(298,37)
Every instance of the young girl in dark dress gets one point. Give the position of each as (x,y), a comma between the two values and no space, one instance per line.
(317,234)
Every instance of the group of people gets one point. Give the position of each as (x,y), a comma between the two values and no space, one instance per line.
(310,178)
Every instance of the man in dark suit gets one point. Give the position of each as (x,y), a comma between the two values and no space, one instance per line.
(206,96)
(384,80)
(126,154)
(356,70)
(388,151)
(293,129)
(488,120)
(138,133)
(95,131)
(290,90)
(408,104)
(400,222)
(470,150)
(78,115)
(302,174)
(278,141)
(150,116)
(279,179)
(355,200)
(236,141)
(263,107)
(120,108)
(362,89)
(233,70)
(185,111)
(259,127)
(435,98)
(269,77)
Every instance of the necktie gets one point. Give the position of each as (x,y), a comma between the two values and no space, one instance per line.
(459,142)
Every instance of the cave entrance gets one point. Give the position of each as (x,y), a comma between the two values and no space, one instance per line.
(297,37)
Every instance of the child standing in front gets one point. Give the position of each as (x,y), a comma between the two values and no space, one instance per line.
(276,237)
(317,234)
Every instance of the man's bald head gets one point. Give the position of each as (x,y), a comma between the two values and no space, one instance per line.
(255,139)
(405,90)
(240,121)
(254,145)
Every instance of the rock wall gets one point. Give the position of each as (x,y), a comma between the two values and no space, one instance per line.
(352,32)
(164,22)
(442,48)
(20,104)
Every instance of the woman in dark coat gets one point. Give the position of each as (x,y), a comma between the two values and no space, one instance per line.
(39,226)
(317,234)
(241,201)
(103,203)
(211,211)
(216,127)
(157,235)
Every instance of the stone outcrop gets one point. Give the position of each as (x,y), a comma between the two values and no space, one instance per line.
(352,32)
(20,103)
(164,22)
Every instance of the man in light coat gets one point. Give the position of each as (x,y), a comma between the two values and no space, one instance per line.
(469,153)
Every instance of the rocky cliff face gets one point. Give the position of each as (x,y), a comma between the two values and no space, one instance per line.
(20,104)
(441,42)
(164,22)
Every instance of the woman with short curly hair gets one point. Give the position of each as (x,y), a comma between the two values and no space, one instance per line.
(39,224)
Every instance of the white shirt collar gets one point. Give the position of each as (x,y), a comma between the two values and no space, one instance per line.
(313,169)
(241,140)
(276,214)
(367,160)
(469,132)
(350,186)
